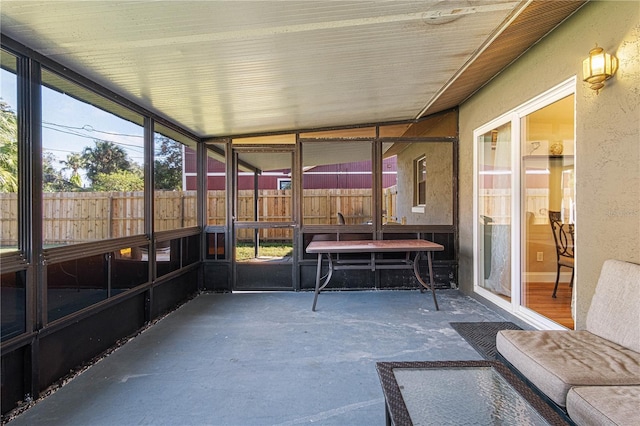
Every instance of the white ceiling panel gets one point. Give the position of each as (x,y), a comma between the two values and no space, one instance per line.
(240,67)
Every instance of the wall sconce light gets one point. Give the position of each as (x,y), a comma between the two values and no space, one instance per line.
(598,67)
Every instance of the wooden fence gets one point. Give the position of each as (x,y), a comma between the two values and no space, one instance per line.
(73,217)
(496,204)
(8,219)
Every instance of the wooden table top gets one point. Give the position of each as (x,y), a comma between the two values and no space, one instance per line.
(359,246)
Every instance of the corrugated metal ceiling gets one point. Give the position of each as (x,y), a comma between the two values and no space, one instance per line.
(231,68)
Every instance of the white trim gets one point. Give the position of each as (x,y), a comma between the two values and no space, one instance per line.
(417,176)
(184,165)
(280,180)
(516,204)
(537,320)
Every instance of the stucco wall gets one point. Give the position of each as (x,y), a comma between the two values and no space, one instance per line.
(438,208)
(607,137)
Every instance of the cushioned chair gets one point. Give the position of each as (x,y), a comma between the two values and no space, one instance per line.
(563,235)
(606,352)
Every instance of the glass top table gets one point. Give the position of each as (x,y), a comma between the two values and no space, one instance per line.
(460,393)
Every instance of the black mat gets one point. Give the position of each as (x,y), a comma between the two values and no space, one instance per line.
(482,335)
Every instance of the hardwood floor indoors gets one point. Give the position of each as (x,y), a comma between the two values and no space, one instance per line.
(537,296)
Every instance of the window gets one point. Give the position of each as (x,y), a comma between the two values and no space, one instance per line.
(93,186)
(420,181)
(13,302)
(216,184)
(175,197)
(92,166)
(337,178)
(421,191)
(216,201)
(78,283)
(12,279)
(284,184)
(9,164)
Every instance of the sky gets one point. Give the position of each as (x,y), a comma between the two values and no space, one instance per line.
(69,125)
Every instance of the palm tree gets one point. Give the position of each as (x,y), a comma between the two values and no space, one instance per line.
(104,157)
(74,162)
(8,149)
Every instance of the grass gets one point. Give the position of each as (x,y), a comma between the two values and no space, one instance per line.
(245,251)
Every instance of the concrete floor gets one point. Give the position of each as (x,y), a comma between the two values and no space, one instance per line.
(264,359)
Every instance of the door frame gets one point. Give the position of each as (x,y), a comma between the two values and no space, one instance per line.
(514,305)
(242,271)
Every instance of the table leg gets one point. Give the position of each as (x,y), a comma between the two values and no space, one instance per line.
(431,283)
(416,271)
(318,278)
(318,272)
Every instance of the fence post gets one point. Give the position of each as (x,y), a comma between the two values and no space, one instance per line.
(182,209)
(110,216)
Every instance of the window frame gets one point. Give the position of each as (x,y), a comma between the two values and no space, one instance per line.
(287,183)
(419,178)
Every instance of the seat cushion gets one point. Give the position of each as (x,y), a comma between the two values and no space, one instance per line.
(615,307)
(604,405)
(554,361)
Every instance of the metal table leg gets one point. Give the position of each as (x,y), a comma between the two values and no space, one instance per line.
(416,271)
(318,278)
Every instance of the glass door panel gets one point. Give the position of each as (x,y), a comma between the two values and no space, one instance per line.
(548,190)
(494,210)
(264,187)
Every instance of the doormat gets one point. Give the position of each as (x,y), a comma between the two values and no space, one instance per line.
(482,335)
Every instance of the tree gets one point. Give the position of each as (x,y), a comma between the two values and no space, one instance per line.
(121,180)
(167,171)
(8,149)
(104,158)
(74,162)
(53,180)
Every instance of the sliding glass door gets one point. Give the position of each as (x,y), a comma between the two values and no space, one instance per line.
(524,181)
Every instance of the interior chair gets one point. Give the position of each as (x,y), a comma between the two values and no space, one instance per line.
(563,235)
(341,219)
